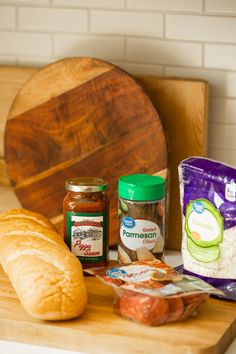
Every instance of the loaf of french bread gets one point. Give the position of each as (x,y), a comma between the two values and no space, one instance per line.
(46,276)
(28,215)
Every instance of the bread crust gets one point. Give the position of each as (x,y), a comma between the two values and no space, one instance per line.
(29,215)
(28,227)
(46,276)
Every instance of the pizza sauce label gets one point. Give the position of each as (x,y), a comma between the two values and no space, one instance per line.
(86,235)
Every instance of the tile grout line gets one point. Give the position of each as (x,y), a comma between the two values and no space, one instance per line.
(180,12)
(204,6)
(198,68)
(162,70)
(221,148)
(16,18)
(16,30)
(133,36)
(203,55)
(164,26)
(230,124)
(125,49)
(88,21)
(202,12)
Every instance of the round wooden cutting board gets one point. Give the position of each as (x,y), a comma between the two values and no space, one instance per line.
(80,117)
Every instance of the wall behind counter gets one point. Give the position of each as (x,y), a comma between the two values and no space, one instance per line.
(189,38)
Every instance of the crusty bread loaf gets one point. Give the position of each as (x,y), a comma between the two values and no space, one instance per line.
(27,214)
(46,276)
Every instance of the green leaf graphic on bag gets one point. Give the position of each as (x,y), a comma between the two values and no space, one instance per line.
(204,228)
(206,255)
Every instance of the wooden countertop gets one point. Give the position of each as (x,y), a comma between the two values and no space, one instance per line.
(101,331)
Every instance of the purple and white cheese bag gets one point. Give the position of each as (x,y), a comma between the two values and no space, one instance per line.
(208,202)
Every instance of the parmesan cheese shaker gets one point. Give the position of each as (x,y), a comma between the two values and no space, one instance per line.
(141,217)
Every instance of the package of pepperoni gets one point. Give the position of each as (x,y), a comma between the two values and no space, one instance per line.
(152,293)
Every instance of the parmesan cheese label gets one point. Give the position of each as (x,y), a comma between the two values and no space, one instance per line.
(136,233)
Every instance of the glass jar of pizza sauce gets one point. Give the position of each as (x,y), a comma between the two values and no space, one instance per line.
(86,220)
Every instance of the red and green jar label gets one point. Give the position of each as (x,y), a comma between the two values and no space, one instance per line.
(86,235)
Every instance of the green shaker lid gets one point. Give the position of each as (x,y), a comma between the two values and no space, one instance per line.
(141,187)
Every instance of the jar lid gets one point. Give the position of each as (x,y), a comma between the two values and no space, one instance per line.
(142,187)
(85,184)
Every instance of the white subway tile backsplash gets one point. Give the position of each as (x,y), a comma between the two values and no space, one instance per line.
(225,155)
(55,20)
(163,52)
(184,38)
(222,83)
(91,3)
(166,5)
(110,48)
(18,43)
(126,23)
(26,2)
(7,17)
(222,6)
(140,69)
(31,61)
(201,28)
(222,136)
(7,60)
(220,56)
(223,110)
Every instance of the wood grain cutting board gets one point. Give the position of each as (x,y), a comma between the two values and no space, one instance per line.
(183,107)
(80,117)
(182,104)
(99,330)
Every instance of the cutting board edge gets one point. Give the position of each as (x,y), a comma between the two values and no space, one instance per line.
(105,341)
(17,326)
(37,336)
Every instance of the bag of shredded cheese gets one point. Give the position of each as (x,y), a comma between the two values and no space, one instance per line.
(208,201)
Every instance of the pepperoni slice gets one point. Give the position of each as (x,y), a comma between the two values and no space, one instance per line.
(189,309)
(191,304)
(143,308)
(176,308)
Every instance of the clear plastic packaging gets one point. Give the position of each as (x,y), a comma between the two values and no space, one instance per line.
(152,293)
